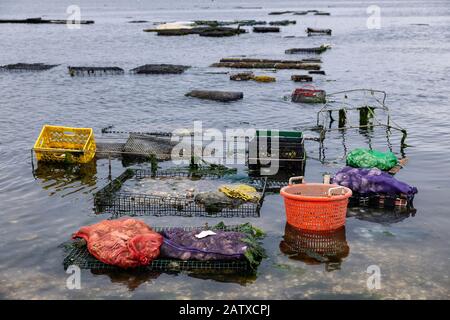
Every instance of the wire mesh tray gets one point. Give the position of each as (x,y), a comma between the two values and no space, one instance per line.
(118,203)
(270,185)
(381,201)
(80,256)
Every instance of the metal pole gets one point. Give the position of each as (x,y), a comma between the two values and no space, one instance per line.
(109,167)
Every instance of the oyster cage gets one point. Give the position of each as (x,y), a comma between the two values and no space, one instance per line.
(112,200)
(79,255)
(270,185)
(382,201)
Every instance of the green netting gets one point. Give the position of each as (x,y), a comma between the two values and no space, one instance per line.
(365,158)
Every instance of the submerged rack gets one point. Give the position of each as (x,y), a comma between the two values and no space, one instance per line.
(21,67)
(314,32)
(360,109)
(79,255)
(118,203)
(381,201)
(93,71)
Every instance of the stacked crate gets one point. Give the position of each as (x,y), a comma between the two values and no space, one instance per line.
(272,147)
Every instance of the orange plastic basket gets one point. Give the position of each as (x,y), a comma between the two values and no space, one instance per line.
(315,206)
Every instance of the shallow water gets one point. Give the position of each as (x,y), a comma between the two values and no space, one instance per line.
(39,212)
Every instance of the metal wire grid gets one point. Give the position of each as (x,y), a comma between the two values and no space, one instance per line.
(111,200)
(80,256)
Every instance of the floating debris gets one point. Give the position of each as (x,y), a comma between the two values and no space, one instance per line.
(275,13)
(81,71)
(212,23)
(243,76)
(265,64)
(313,32)
(282,22)
(313,60)
(223,96)
(250,22)
(301,78)
(160,69)
(246,76)
(268,60)
(321,13)
(300,13)
(264,79)
(303,95)
(317,72)
(138,21)
(265,29)
(316,50)
(44,21)
(221,32)
(201,31)
(27,67)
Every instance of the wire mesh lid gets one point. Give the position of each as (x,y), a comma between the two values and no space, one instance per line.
(314,191)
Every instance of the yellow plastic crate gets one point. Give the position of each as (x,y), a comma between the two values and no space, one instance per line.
(65,144)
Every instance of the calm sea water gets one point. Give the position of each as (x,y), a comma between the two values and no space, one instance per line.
(408,57)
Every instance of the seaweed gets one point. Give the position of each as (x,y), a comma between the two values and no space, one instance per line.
(255,252)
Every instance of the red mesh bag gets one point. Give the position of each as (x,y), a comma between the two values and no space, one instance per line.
(125,243)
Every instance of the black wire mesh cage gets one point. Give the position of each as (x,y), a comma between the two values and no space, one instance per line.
(285,149)
(112,200)
(398,202)
(78,254)
(271,184)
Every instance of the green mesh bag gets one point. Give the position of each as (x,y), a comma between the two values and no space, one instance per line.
(365,158)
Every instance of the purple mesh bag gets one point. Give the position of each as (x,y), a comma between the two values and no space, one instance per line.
(183,245)
(369,181)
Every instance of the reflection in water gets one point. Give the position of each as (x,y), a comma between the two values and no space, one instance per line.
(315,247)
(132,279)
(382,216)
(232,277)
(66,178)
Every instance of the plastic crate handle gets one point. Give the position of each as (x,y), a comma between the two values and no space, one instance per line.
(331,190)
(299,178)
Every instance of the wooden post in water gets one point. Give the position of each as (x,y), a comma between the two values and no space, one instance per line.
(109,167)
(365,114)
(153,164)
(342,118)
